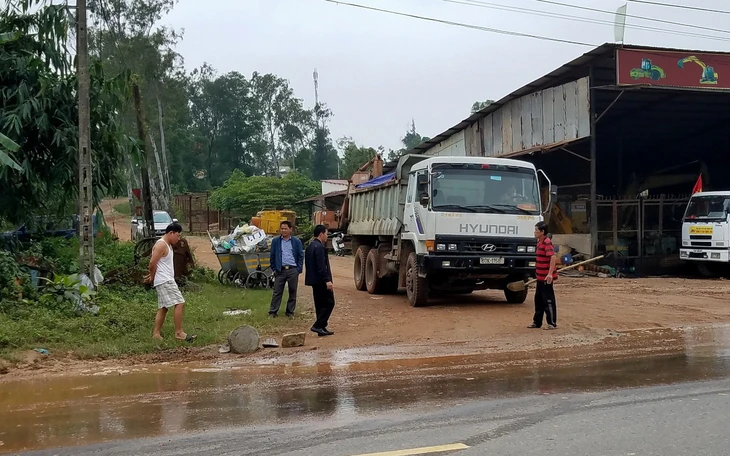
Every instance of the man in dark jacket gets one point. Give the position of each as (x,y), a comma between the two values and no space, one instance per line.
(287,260)
(319,276)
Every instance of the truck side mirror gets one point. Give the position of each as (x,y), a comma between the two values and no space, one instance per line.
(423,198)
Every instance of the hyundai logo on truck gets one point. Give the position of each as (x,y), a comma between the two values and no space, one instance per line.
(489,247)
(488,229)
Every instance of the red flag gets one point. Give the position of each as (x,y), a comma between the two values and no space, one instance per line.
(698,185)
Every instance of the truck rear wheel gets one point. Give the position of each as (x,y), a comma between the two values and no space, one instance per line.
(372,265)
(515,297)
(361,257)
(416,287)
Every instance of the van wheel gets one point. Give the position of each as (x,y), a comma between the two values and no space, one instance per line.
(360,259)
(416,287)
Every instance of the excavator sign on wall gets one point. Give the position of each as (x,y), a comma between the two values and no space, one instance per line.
(670,68)
(709,75)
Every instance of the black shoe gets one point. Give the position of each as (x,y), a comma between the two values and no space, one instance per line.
(327,332)
(320,332)
(272,315)
(290,315)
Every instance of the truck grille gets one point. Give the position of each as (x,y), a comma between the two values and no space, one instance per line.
(477,247)
(701,244)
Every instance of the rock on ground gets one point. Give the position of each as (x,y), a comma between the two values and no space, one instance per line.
(293,340)
(244,339)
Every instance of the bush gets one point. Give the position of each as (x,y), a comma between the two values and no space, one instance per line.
(11,278)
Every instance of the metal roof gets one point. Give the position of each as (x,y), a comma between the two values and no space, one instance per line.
(549,80)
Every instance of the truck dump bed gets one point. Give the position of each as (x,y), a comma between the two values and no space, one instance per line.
(376,206)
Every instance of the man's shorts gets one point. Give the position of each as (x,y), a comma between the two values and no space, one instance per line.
(168,295)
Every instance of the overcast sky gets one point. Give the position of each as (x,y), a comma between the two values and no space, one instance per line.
(378,70)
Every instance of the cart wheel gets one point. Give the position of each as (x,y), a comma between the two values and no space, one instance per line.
(230,276)
(239,280)
(221,274)
(257,279)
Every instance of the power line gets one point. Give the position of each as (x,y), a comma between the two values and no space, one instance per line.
(461,24)
(483,4)
(643,18)
(669,5)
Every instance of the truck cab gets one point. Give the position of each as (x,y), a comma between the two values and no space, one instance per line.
(706,231)
(471,221)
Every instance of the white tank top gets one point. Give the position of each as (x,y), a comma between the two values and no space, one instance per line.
(165,267)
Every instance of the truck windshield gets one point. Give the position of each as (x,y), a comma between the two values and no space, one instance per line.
(505,191)
(708,207)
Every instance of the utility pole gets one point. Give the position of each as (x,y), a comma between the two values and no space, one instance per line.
(144,159)
(86,191)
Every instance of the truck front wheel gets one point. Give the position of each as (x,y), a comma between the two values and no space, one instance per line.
(416,287)
(361,257)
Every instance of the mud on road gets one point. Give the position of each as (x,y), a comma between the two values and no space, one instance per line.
(589,309)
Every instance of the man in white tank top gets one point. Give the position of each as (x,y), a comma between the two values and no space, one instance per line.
(162,276)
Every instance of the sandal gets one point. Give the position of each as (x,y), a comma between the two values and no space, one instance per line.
(189,338)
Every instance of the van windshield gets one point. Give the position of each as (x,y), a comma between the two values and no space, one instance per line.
(492,190)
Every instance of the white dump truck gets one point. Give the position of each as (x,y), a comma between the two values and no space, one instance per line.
(706,231)
(445,225)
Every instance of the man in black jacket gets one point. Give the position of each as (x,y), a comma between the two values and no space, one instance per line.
(318,275)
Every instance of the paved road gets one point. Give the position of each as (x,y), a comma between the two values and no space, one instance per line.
(681,419)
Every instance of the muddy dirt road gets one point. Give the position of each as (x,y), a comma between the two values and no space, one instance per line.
(589,309)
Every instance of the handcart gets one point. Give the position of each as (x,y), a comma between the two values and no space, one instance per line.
(246,270)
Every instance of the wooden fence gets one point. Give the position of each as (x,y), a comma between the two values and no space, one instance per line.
(196,216)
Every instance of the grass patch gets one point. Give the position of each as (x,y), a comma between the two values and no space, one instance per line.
(123,209)
(124,323)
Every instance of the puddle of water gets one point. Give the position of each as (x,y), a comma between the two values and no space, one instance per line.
(67,411)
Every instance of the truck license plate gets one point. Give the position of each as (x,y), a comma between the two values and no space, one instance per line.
(491,260)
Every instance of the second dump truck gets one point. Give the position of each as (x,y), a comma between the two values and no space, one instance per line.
(445,225)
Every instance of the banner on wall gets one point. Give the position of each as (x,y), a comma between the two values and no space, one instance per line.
(673,69)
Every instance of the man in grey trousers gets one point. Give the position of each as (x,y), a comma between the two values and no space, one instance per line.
(287,261)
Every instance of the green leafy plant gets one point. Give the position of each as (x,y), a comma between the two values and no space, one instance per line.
(66,293)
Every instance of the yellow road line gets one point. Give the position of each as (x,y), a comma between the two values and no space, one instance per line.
(417,451)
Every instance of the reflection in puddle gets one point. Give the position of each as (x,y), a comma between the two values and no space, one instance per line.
(68,411)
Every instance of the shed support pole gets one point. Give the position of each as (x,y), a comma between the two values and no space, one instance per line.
(594,202)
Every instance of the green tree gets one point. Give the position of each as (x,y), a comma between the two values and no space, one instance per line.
(226,117)
(285,123)
(126,36)
(409,141)
(325,160)
(353,156)
(245,195)
(479,105)
(39,113)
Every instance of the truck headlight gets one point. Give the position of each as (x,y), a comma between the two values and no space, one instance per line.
(683,254)
(715,256)
(453,247)
(440,247)
(521,249)
(530,249)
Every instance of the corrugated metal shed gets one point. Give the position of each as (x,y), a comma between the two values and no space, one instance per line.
(572,71)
